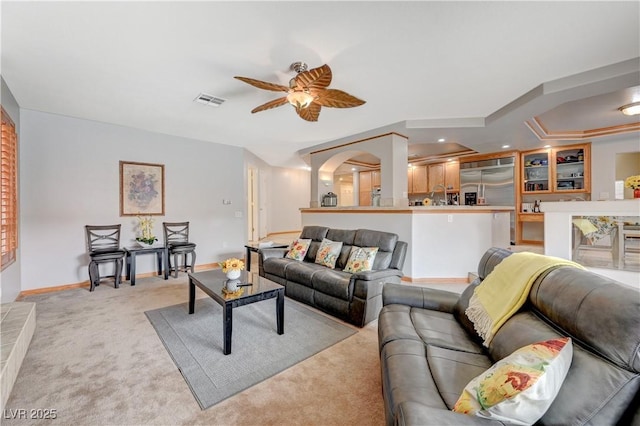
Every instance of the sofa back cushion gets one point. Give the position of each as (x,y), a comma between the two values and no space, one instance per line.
(489,260)
(598,311)
(346,236)
(601,317)
(385,241)
(316,234)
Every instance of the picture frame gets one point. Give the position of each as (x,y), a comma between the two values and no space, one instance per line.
(141,189)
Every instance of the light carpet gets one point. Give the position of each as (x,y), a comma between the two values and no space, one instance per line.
(96,359)
(258,352)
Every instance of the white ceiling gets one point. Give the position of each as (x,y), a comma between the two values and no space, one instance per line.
(471,72)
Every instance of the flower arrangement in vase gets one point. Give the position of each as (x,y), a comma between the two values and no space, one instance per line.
(634,183)
(232,268)
(146,237)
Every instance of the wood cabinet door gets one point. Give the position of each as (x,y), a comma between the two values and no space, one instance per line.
(436,177)
(410,180)
(365,181)
(365,198)
(452,176)
(375,179)
(420,179)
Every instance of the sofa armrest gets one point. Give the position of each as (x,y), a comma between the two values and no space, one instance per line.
(376,275)
(414,413)
(419,297)
(266,253)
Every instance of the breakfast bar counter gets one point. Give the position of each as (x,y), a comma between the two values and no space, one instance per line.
(445,242)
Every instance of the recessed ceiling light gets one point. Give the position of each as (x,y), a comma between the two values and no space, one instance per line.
(631,109)
(449,159)
(441,140)
(547,146)
(353,169)
(506,146)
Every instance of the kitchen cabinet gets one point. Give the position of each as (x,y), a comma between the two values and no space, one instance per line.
(365,182)
(417,179)
(436,177)
(572,168)
(546,175)
(375,179)
(557,170)
(452,176)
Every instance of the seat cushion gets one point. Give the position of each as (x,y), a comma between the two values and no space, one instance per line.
(105,255)
(276,266)
(441,329)
(333,282)
(302,272)
(181,247)
(452,370)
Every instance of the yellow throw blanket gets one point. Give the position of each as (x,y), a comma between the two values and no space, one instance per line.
(506,289)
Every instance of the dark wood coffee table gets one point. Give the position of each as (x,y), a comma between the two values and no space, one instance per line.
(256,288)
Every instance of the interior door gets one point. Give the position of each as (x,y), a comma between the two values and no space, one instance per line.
(262,189)
(252,200)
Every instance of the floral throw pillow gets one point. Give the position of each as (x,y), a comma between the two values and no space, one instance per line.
(520,388)
(361,259)
(328,253)
(298,249)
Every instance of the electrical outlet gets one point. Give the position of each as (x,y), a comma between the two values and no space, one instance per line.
(450,218)
(238,214)
(225,201)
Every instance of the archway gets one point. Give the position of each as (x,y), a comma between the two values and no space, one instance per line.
(391,149)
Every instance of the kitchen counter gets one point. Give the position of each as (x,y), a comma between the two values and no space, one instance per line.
(410,209)
(445,242)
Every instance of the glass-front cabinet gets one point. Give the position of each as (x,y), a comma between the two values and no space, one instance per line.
(557,170)
(569,169)
(550,174)
(535,165)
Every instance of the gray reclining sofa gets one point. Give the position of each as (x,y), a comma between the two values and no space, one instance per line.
(429,349)
(355,298)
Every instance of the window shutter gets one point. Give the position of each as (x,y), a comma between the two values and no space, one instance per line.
(8,193)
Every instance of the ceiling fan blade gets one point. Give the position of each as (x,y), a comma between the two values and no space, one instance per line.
(271,104)
(336,99)
(317,78)
(309,113)
(263,84)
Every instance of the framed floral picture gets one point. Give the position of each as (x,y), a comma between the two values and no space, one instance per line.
(141,189)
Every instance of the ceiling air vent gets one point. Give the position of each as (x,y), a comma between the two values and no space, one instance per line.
(210,100)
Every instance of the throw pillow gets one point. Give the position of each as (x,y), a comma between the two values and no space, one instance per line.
(328,253)
(361,259)
(520,388)
(298,249)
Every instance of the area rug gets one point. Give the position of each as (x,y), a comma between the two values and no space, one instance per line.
(257,350)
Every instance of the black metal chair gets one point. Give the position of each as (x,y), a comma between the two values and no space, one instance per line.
(176,239)
(103,244)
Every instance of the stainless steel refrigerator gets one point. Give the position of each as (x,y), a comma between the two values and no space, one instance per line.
(492,180)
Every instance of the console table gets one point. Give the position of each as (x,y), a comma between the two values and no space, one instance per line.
(130,260)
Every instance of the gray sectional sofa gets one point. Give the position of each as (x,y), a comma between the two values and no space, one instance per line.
(429,349)
(355,298)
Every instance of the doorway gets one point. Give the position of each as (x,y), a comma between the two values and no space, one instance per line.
(252,207)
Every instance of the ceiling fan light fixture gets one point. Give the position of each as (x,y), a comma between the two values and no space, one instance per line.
(299,99)
(631,109)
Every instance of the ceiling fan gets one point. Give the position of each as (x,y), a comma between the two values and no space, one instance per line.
(307,92)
